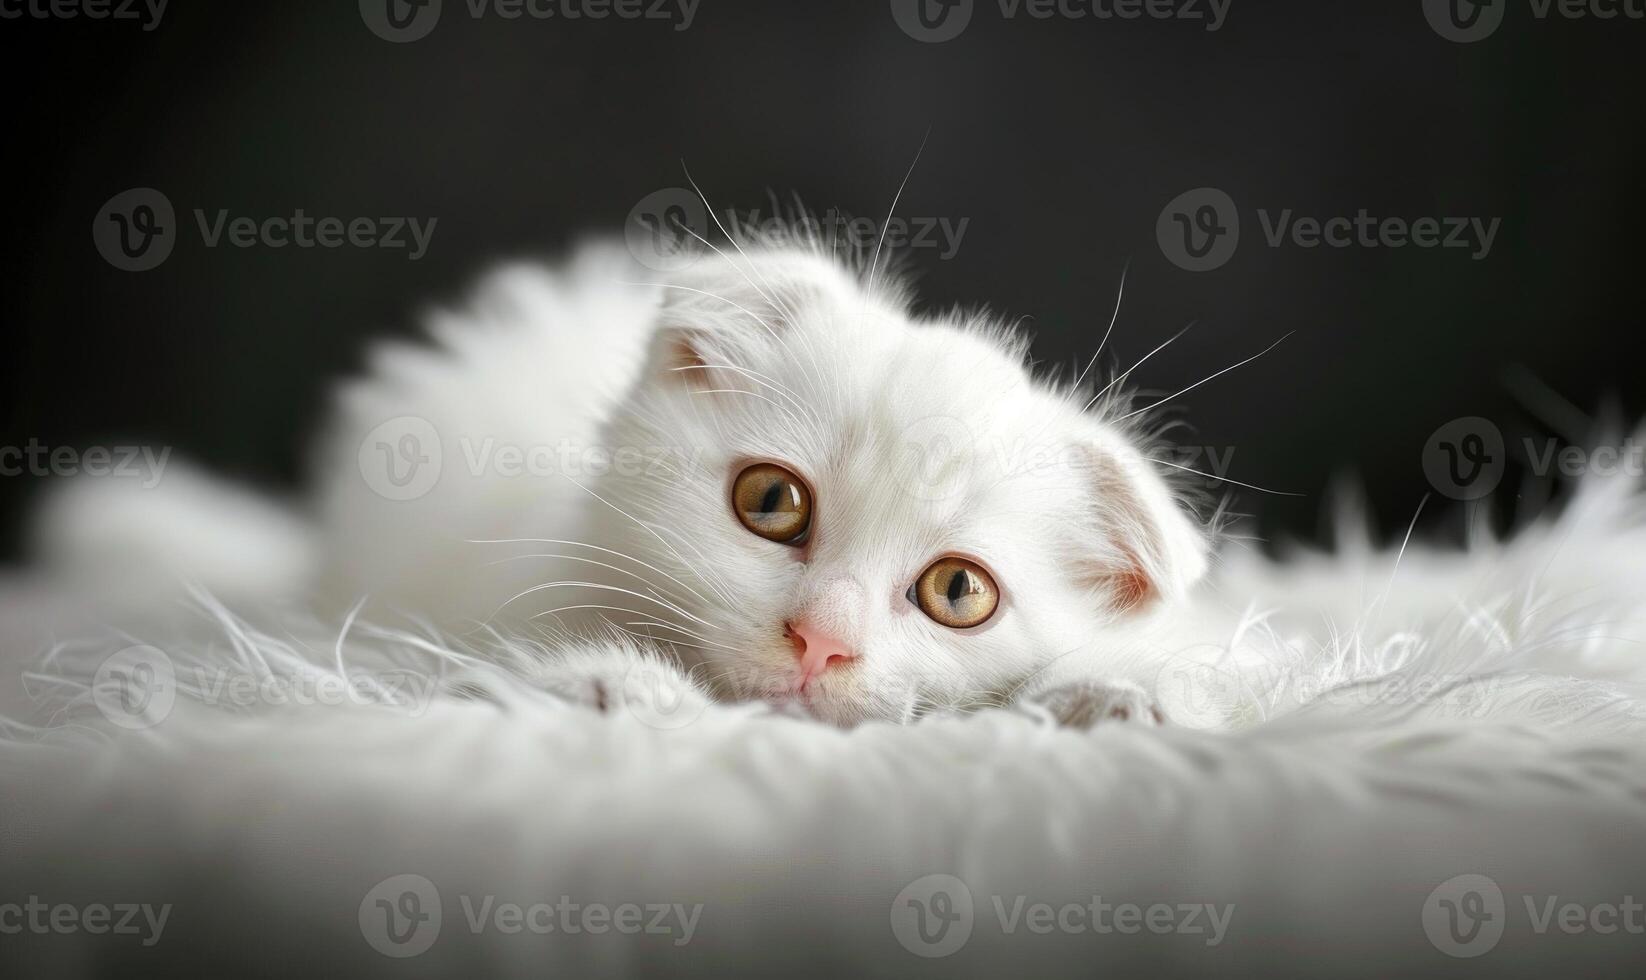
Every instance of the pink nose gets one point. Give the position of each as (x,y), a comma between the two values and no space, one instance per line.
(817,650)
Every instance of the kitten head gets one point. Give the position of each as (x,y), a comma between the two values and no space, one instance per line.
(871,513)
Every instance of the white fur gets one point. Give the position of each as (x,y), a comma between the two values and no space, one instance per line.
(920,437)
(1375,723)
(1326,824)
(534,362)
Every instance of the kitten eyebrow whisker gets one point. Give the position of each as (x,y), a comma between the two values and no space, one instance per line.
(811,355)
(752,394)
(874,263)
(1127,373)
(1224,479)
(770,298)
(759,379)
(779,305)
(748,312)
(1212,377)
(1120,297)
(704,292)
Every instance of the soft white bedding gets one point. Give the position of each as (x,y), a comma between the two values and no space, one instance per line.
(1354,734)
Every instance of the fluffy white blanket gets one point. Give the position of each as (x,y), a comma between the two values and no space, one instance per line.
(1430,761)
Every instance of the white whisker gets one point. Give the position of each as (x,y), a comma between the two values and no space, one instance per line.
(1224,479)
(1123,375)
(874,264)
(1113,318)
(584,544)
(1202,381)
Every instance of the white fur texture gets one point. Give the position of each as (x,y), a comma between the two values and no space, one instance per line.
(579,428)
(1477,714)
(560,451)
(1350,731)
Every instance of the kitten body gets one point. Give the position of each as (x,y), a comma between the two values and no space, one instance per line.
(588,426)
(563,454)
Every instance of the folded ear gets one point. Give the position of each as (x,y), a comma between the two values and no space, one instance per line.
(1152,549)
(712,314)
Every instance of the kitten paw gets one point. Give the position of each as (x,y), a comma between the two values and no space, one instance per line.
(657,693)
(1084,704)
(588,690)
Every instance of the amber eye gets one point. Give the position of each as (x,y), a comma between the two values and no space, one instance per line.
(773,503)
(956,593)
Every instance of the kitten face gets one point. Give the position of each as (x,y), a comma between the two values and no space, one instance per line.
(870,514)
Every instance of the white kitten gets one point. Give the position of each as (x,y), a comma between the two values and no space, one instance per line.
(769,466)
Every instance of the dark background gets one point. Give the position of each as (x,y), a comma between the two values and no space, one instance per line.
(1060,140)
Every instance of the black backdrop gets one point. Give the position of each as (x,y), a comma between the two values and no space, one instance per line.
(1059,141)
